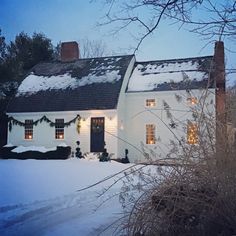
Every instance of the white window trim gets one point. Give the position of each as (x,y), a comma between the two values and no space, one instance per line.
(28,139)
(59,139)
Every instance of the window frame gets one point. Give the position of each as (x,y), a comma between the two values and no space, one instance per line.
(59,129)
(150,138)
(150,102)
(29,129)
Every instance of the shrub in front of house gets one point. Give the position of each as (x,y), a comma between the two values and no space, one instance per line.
(6,153)
(104,156)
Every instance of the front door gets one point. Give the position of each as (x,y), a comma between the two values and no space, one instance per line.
(97,134)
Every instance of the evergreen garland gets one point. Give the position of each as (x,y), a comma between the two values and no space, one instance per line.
(12,121)
(78,126)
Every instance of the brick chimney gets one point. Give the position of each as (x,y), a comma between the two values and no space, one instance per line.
(219,76)
(69,51)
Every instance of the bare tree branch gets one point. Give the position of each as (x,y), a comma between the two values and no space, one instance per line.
(219,18)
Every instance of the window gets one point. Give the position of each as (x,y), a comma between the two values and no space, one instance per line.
(192,101)
(29,129)
(150,134)
(150,103)
(192,133)
(59,129)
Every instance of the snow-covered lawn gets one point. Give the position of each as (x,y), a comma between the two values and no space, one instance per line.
(40,197)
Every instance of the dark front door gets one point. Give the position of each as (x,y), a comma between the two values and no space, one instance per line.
(97,134)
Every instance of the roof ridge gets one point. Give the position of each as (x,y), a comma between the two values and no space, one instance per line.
(175,59)
(81,59)
(91,58)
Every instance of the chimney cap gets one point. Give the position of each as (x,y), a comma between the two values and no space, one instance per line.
(69,42)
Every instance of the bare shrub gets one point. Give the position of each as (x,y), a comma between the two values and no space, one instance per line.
(191,200)
(196,195)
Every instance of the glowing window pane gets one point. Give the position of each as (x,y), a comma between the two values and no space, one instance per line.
(29,129)
(192,133)
(192,101)
(59,129)
(150,103)
(150,134)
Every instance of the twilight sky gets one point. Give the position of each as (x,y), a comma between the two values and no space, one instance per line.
(67,20)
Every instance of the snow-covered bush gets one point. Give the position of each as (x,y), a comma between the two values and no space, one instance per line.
(33,152)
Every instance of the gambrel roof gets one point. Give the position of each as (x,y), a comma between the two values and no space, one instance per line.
(95,83)
(176,74)
(84,84)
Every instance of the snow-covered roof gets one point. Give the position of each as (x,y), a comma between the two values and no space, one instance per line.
(107,71)
(170,74)
(84,84)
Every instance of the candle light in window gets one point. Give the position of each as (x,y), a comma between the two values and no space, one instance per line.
(30,136)
(150,102)
(192,137)
(192,100)
(60,136)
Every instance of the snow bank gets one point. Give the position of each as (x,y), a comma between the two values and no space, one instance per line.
(40,197)
(62,145)
(33,180)
(9,145)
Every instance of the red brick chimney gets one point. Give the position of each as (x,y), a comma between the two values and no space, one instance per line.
(69,51)
(219,76)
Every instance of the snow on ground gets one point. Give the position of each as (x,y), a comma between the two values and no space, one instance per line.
(40,197)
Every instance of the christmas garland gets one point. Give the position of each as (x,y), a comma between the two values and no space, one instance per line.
(12,121)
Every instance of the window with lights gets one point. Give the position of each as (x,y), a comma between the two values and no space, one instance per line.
(59,129)
(150,102)
(28,129)
(150,134)
(192,101)
(192,133)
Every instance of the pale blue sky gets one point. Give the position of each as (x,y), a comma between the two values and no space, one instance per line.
(66,20)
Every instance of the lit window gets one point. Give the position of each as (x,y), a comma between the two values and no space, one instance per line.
(28,129)
(150,103)
(192,133)
(150,134)
(59,129)
(192,101)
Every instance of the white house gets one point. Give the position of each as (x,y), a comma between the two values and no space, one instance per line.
(114,99)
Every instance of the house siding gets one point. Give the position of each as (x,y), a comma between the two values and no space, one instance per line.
(44,135)
(139,115)
(122,112)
